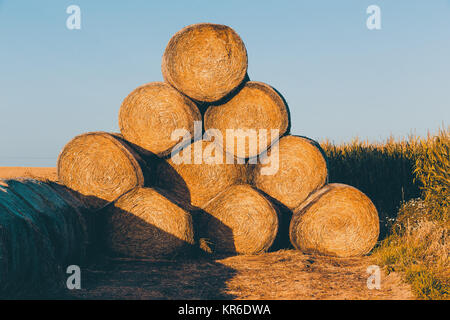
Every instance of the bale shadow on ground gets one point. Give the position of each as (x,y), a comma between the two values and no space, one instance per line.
(188,274)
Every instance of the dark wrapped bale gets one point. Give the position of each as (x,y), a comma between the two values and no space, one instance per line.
(144,223)
(198,173)
(75,200)
(239,220)
(27,254)
(29,267)
(152,112)
(41,233)
(249,120)
(205,61)
(65,223)
(101,167)
(302,169)
(338,220)
(4,255)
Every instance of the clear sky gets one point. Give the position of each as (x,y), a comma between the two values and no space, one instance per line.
(340,79)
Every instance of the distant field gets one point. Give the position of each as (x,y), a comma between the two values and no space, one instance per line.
(28,172)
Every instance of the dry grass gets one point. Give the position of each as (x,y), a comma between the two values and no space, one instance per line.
(205,61)
(419,248)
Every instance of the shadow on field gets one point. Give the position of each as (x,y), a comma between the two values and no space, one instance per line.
(190,274)
(188,278)
(284,214)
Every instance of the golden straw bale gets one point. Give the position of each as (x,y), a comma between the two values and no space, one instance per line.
(150,114)
(205,61)
(239,220)
(302,169)
(199,172)
(338,220)
(101,167)
(251,115)
(144,223)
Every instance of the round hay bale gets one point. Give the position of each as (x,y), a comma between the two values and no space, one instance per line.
(205,61)
(251,115)
(27,253)
(239,220)
(201,175)
(101,167)
(150,114)
(338,220)
(302,169)
(65,224)
(145,224)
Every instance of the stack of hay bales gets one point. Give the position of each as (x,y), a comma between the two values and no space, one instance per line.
(160,187)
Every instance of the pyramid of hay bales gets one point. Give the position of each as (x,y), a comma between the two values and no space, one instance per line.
(206,159)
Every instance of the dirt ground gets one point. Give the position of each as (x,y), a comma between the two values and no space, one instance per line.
(283,275)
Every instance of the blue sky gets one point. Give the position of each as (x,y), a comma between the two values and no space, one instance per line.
(340,79)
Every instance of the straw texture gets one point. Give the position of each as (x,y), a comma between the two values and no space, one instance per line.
(144,223)
(338,220)
(302,170)
(205,61)
(255,108)
(150,114)
(101,167)
(239,220)
(204,176)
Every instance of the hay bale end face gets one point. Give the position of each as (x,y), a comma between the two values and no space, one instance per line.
(145,224)
(152,112)
(338,220)
(203,177)
(302,169)
(205,61)
(101,167)
(239,220)
(252,113)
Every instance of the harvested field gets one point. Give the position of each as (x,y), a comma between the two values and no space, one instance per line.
(291,275)
(284,274)
(27,172)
